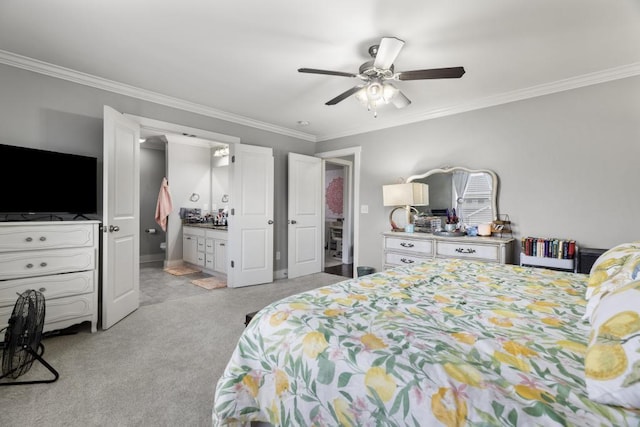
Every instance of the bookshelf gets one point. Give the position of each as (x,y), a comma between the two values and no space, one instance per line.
(555,263)
(557,254)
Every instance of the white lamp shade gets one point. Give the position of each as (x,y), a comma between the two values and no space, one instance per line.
(407,194)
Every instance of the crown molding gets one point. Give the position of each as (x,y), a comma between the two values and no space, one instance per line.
(63,73)
(589,79)
(74,76)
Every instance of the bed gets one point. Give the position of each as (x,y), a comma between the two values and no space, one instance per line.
(447,342)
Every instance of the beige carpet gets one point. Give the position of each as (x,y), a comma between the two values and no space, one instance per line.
(210,283)
(181,270)
(156,367)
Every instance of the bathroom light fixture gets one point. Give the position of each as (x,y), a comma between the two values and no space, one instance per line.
(404,196)
(221,152)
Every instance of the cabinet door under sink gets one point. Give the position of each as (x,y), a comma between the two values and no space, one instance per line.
(190,248)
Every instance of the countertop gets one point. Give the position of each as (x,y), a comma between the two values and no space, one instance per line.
(206,225)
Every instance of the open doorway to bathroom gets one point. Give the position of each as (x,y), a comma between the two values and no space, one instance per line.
(207,178)
(153,168)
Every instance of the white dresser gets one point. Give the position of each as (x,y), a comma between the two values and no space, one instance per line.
(409,248)
(59,259)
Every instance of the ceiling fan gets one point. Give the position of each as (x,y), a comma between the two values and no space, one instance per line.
(376,74)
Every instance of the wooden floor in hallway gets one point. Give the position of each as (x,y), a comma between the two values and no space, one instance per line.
(345,270)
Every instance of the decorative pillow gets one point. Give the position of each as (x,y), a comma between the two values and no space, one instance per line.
(612,360)
(604,272)
(612,270)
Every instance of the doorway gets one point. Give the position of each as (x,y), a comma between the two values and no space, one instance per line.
(153,168)
(337,218)
(158,250)
(341,247)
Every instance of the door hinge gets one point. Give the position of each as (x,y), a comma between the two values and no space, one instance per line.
(233,159)
(233,211)
(232,264)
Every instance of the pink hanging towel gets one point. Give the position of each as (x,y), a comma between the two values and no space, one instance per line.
(164,206)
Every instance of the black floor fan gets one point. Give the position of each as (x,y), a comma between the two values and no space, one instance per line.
(22,339)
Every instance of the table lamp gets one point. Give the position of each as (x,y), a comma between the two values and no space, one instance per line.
(404,196)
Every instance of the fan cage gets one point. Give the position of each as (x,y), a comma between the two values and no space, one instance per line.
(23,334)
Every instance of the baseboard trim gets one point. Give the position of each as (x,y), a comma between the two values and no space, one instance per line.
(151,258)
(280,274)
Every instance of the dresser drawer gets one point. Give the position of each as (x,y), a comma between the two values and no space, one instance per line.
(423,247)
(16,265)
(467,251)
(56,286)
(394,258)
(58,310)
(26,238)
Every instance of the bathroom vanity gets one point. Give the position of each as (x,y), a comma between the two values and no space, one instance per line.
(205,245)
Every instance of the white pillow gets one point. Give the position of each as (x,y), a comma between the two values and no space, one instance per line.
(612,270)
(612,360)
(624,257)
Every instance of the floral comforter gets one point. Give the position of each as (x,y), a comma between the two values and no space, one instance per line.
(447,342)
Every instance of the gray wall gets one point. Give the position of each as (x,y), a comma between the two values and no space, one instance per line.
(568,163)
(153,168)
(44,112)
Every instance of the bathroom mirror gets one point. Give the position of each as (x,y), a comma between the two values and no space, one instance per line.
(473,193)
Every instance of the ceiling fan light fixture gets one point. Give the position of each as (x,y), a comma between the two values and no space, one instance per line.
(389,91)
(361,96)
(375,74)
(374,90)
(376,94)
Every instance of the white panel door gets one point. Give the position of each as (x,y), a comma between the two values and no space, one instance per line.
(251,216)
(121,217)
(305,215)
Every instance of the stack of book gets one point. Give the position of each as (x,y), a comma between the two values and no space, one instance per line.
(549,248)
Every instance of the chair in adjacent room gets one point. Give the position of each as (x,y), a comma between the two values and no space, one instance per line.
(335,242)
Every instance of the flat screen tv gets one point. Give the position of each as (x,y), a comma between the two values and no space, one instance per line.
(34,181)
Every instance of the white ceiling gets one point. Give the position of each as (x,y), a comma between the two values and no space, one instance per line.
(238,60)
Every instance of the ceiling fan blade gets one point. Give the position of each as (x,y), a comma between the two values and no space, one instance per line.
(344,95)
(327,72)
(387,52)
(399,100)
(433,73)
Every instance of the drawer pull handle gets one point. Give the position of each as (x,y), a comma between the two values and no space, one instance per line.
(222,244)
(466,251)
(42,289)
(406,245)
(29,265)
(43,264)
(29,239)
(407,261)
(42,238)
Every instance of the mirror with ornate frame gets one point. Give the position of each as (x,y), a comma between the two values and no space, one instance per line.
(472,192)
